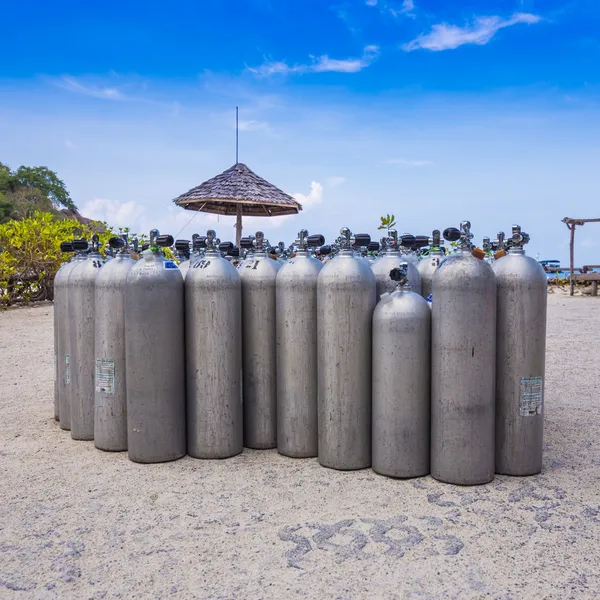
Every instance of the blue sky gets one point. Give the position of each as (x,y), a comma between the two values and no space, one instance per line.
(435,111)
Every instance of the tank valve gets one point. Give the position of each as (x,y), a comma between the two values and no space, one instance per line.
(499,246)
(436,242)
(400,275)
(519,238)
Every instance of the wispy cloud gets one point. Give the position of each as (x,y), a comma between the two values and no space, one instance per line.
(409,163)
(402,9)
(69,145)
(106,93)
(254,125)
(371,2)
(320,64)
(448,37)
(335,181)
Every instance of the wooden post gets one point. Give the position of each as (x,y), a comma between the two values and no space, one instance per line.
(238,226)
(594,288)
(572,258)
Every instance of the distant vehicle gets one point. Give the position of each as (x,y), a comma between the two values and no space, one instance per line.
(550,265)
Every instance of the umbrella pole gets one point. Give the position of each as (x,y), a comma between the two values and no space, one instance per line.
(238,226)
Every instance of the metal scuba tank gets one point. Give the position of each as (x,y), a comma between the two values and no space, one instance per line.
(346,296)
(429,263)
(390,260)
(401,381)
(62,315)
(154,355)
(296,326)
(110,400)
(463,365)
(82,280)
(60,303)
(520,359)
(213,323)
(259,274)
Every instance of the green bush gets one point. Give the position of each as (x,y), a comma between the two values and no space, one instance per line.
(30,255)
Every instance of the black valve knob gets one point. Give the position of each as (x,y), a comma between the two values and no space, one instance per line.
(225,246)
(164,241)
(407,240)
(362,240)
(233,251)
(315,240)
(451,234)
(373,247)
(66,247)
(80,244)
(325,250)
(421,241)
(117,243)
(182,245)
(397,274)
(246,243)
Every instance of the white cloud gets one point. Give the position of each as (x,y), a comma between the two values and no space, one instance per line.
(114,212)
(69,145)
(320,64)
(371,2)
(314,197)
(335,181)
(448,37)
(409,163)
(254,125)
(106,93)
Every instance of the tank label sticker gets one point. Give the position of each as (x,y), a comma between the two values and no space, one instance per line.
(105,376)
(67,369)
(169,264)
(532,396)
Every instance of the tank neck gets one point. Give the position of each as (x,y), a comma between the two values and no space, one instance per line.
(518,251)
(302,253)
(346,253)
(212,252)
(389,251)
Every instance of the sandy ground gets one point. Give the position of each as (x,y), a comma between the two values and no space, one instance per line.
(79,523)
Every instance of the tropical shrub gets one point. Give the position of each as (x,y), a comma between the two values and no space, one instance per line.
(30,255)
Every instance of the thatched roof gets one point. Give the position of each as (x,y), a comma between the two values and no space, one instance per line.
(239,185)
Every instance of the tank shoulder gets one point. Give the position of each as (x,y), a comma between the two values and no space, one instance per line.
(211,267)
(259,267)
(349,267)
(299,267)
(519,266)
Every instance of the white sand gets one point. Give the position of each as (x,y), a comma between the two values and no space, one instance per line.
(79,523)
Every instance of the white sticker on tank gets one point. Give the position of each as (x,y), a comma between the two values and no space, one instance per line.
(67,369)
(105,376)
(531,398)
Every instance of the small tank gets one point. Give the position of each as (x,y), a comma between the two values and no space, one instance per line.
(110,400)
(401,380)
(521,355)
(390,259)
(213,322)
(155,356)
(296,326)
(82,280)
(346,297)
(259,274)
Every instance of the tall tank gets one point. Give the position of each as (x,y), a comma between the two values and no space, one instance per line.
(296,317)
(346,297)
(521,356)
(62,317)
(213,323)
(463,365)
(82,280)
(259,274)
(429,263)
(60,295)
(390,259)
(401,381)
(154,354)
(110,400)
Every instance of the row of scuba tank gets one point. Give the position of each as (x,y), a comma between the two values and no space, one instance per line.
(343,359)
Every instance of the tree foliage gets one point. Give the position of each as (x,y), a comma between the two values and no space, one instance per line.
(30,189)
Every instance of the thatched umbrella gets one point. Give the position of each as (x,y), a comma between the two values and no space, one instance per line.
(241,192)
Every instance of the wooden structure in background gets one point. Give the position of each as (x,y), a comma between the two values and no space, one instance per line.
(593,277)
